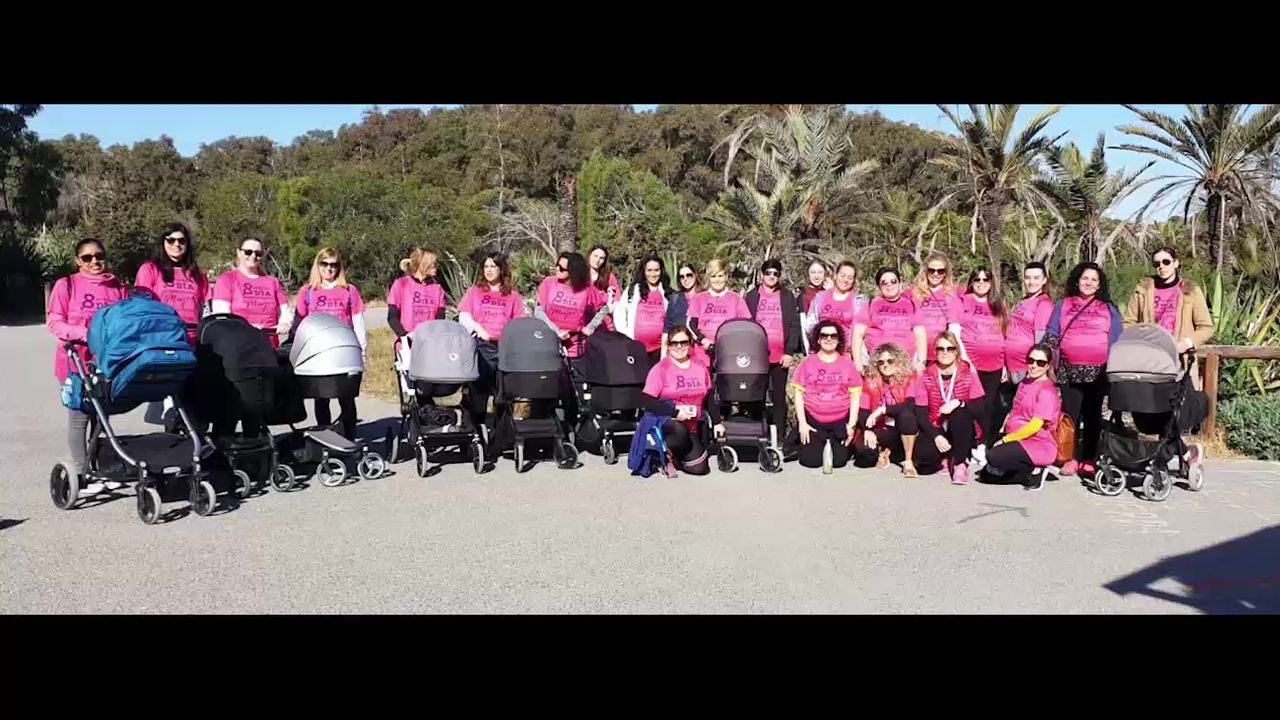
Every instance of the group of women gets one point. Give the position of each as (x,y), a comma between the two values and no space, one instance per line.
(935,375)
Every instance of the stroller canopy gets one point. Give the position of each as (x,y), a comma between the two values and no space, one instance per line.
(1144,352)
(443,352)
(742,348)
(324,345)
(615,359)
(528,345)
(229,344)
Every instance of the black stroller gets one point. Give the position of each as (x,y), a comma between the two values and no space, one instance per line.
(1149,381)
(444,362)
(609,389)
(532,373)
(740,365)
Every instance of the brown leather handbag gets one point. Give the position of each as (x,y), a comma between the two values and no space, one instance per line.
(1064,436)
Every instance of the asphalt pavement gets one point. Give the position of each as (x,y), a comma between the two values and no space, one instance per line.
(597,540)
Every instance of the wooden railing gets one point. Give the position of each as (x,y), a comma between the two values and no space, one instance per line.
(1211,354)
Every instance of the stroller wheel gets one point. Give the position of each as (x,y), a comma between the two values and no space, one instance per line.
(203,498)
(1110,480)
(1157,485)
(608,451)
(64,487)
(770,460)
(566,456)
(283,478)
(727,459)
(148,504)
(519,456)
(371,466)
(421,460)
(1195,478)
(244,485)
(477,456)
(332,472)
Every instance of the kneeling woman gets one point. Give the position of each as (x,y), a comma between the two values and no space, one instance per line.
(949,413)
(677,378)
(890,393)
(827,387)
(1028,442)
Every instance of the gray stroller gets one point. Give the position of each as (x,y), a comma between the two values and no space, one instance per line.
(443,363)
(327,363)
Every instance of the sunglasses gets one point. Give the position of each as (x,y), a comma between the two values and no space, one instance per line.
(945,348)
(92,257)
(686,276)
(1165,262)
(771,273)
(252,253)
(330,264)
(937,271)
(1037,362)
(883,363)
(562,268)
(885,283)
(677,343)
(981,280)
(176,240)
(829,336)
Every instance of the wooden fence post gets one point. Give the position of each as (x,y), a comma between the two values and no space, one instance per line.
(1211,389)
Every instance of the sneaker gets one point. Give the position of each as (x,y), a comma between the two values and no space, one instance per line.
(980,454)
(1070,467)
(960,475)
(1035,482)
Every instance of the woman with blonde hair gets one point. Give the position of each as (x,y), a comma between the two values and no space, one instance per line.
(940,309)
(890,393)
(328,292)
(413,298)
(713,307)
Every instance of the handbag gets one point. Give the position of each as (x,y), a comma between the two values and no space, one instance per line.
(1064,436)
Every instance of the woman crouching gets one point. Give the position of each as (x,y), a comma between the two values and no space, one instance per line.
(685,385)
(889,396)
(827,389)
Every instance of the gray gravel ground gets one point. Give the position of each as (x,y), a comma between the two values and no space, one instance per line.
(596,540)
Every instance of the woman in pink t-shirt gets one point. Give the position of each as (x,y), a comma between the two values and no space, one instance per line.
(827,392)
(252,294)
(175,278)
(603,279)
(712,308)
(888,422)
(1029,441)
(1082,329)
(328,292)
(485,310)
(678,388)
(891,317)
(773,306)
(842,302)
(641,312)
(936,302)
(984,322)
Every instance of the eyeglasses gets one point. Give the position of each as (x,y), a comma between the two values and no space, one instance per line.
(937,271)
(945,348)
(677,343)
(771,273)
(92,257)
(1165,262)
(179,240)
(330,264)
(1037,362)
(829,336)
(562,269)
(253,253)
(686,276)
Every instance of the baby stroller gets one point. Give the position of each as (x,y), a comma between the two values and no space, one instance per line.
(327,363)
(141,355)
(531,371)
(741,369)
(1148,380)
(609,390)
(240,379)
(443,362)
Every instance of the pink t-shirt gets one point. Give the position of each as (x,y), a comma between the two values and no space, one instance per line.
(843,311)
(827,386)
(187,293)
(69,317)
(683,386)
(890,322)
(417,301)
(1028,318)
(1166,302)
(712,311)
(769,315)
(491,309)
(936,311)
(340,302)
(980,332)
(1089,338)
(256,299)
(872,399)
(568,309)
(1036,399)
(651,315)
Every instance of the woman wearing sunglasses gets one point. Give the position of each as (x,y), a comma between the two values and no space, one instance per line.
(1082,328)
(827,392)
(677,388)
(72,302)
(772,305)
(688,285)
(949,413)
(253,295)
(940,310)
(1028,441)
(712,308)
(328,292)
(842,302)
(890,393)
(985,320)
(891,318)
(173,275)
(570,303)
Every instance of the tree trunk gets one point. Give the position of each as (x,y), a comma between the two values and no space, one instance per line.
(1089,241)
(1217,220)
(568,241)
(991,223)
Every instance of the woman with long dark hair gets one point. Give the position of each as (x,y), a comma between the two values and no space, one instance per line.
(1029,441)
(485,309)
(175,278)
(1082,328)
(984,320)
(641,312)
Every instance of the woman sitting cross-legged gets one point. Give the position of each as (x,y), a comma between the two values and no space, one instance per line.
(827,388)
(1028,442)
(685,384)
(951,407)
(890,393)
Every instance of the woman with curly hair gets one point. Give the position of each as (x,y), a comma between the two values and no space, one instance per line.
(890,393)
(935,295)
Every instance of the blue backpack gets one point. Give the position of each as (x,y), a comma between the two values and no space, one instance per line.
(139,345)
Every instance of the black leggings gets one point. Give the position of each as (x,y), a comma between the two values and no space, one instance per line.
(991,405)
(347,406)
(484,386)
(686,447)
(925,456)
(1083,402)
(811,452)
(960,433)
(1012,460)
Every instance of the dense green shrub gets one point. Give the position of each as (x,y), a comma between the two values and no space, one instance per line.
(1252,424)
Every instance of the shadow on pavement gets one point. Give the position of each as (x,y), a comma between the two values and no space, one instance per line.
(1240,576)
(6,524)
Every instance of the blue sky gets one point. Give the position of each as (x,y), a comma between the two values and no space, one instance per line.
(191,125)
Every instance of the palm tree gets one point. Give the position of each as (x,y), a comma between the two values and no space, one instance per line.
(1084,192)
(997,169)
(1217,147)
(760,225)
